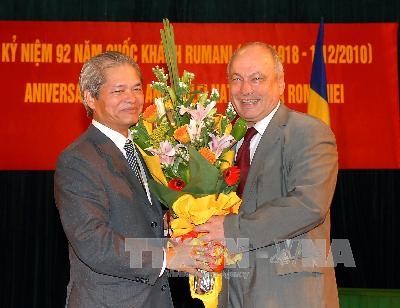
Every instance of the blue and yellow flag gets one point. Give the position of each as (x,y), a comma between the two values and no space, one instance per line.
(318,99)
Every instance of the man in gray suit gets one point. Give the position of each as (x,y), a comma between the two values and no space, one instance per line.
(285,213)
(113,224)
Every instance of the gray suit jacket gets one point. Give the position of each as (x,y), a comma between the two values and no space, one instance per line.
(285,215)
(101,204)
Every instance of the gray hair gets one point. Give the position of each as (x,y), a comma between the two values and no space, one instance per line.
(277,61)
(93,76)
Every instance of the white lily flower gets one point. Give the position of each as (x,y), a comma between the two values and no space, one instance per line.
(159,102)
(194,129)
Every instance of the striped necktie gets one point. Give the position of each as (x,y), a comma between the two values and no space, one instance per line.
(132,157)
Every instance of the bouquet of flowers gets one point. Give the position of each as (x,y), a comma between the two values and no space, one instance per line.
(187,147)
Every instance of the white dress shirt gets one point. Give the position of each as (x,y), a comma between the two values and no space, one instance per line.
(260,127)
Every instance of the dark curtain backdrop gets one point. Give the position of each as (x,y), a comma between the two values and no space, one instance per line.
(34,257)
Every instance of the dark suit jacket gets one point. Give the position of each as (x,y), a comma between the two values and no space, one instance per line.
(287,195)
(101,205)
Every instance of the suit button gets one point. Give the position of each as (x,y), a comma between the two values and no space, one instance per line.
(153,224)
(164,287)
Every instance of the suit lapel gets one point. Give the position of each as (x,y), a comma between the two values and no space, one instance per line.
(268,140)
(116,162)
(154,199)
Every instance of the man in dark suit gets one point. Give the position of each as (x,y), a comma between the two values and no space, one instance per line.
(113,224)
(285,213)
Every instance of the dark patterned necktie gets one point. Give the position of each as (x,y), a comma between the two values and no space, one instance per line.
(132,157)
(243,159)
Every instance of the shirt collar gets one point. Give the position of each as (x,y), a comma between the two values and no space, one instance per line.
(262,125)
(115,136)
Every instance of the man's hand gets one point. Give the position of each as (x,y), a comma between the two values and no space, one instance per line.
(212,230)
(186,257)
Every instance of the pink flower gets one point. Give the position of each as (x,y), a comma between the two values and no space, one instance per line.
(200,113)
(166,152)
(219,144)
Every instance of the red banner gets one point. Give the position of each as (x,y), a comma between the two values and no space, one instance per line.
(40,63)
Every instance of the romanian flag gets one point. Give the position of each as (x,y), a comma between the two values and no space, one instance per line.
(318,99)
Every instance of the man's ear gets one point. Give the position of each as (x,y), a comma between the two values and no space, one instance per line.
(281,84)
(89,100)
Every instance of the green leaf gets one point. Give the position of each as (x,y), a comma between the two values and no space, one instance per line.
(239,129)
(164,194)
(141,137)
(221,185)
(180,169)
(224,124)
(203,175)
(193,94)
